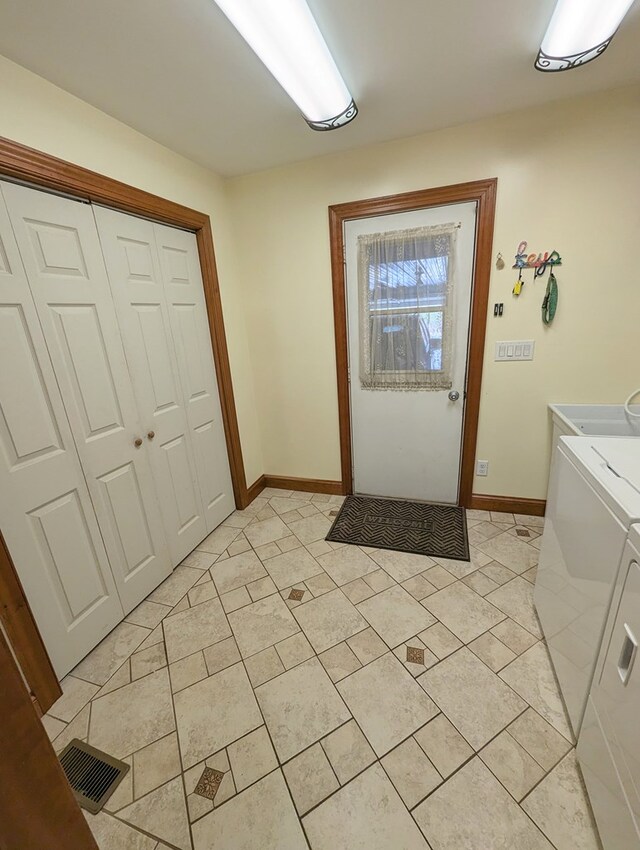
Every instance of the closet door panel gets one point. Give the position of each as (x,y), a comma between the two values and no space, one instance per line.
(185,295)
(132,262)
(186,501)
(45,510)
(129,517)
(59,245)
(27,420)
(156,359)
(60,527)
(213,464)
(84,353)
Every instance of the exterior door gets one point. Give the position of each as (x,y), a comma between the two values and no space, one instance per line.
(408,313)
(46,514)
(180,267)
(59,245)
(131,257)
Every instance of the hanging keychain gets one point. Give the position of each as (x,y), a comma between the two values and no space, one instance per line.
(517,289)
(550,302)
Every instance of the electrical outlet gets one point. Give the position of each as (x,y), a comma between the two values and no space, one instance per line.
(482,467)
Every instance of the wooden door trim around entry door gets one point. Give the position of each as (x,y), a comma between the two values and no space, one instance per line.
(483,192)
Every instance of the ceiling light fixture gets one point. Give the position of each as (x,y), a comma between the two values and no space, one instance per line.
(285,36)
(580,31)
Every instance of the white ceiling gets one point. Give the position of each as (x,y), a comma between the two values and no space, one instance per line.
(177,71)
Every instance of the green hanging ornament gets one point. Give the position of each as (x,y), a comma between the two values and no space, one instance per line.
(550,302)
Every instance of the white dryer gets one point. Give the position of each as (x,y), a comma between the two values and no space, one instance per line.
(594,497)
(609,742)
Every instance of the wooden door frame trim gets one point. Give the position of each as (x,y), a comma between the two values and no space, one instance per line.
(42,170)
(20,162)
(483,192)
(24,636)
(51,817)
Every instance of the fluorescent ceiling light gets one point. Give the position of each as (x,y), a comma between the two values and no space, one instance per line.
(285,36)
(579,31)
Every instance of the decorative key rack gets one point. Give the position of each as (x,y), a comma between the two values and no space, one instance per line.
(540,262)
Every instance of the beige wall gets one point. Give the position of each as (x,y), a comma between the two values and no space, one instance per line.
(569,179)
(39,114)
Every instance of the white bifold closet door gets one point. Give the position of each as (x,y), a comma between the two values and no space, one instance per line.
(46,514)
(63,260)
(182,278)
(114,461)
(157,290)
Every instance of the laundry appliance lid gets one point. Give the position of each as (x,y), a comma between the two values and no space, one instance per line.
(612,465)
(634,537)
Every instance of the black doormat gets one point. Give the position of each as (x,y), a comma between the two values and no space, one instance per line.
(423,529)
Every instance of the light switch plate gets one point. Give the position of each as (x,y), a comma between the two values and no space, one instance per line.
(515,349)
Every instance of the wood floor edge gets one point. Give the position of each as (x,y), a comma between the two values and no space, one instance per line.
(307,485)
(508,504)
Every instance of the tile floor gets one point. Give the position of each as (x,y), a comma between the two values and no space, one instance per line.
(280,692)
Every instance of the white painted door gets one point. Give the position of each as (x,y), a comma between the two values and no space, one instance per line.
(407,444)
(61,252)
(180,267)
(133,266)
(46,515)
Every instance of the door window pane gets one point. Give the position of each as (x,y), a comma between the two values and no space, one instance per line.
(406,315)
(408,283)
(407,341)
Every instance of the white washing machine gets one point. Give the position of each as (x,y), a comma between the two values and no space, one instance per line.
(594,497)
(609,742)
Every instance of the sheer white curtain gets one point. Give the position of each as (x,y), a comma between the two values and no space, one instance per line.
(405,294)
